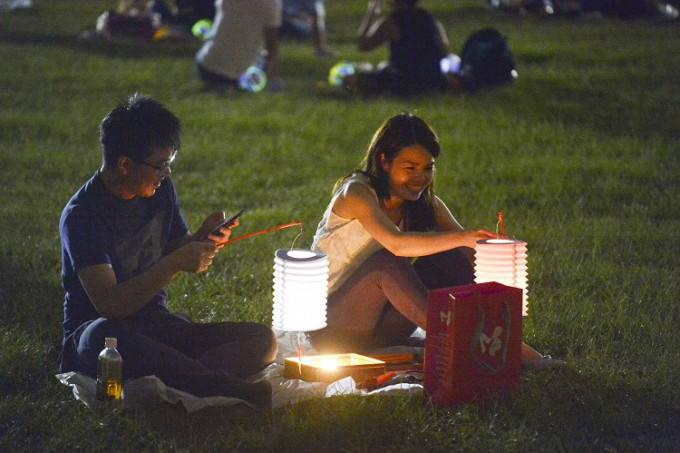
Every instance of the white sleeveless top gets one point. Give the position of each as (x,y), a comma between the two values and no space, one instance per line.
(345,241)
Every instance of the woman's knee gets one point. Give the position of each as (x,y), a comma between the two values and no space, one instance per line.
(386,261)
(448,268)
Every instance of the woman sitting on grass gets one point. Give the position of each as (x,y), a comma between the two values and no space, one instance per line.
(417,43)
(380,216)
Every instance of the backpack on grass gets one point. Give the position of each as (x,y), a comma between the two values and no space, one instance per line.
(486,61)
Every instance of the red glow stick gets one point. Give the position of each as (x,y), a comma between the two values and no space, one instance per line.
(500,221)
(286,225)
(299,352)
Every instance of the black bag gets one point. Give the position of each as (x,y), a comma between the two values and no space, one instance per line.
(486,60)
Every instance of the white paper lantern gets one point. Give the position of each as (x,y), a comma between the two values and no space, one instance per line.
(503,261)
(300,290)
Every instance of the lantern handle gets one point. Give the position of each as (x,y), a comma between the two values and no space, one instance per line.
(268,230)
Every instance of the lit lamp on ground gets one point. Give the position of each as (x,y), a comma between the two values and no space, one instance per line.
(503,261)
(300,291)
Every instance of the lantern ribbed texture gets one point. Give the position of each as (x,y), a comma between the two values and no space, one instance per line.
(503,261)
(300,290)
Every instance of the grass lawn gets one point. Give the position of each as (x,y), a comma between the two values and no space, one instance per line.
(581,154)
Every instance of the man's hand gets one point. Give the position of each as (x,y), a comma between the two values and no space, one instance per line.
(210,224)
(118,300)
(195,257)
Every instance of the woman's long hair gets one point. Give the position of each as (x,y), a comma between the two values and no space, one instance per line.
(398,132)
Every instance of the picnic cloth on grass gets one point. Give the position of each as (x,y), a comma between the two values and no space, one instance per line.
(149,391)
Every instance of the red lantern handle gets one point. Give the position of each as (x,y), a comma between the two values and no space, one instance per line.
(286,225)
(500,221)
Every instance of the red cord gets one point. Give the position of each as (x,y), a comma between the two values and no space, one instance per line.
(261,232)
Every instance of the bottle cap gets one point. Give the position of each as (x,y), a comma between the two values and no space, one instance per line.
(111,342)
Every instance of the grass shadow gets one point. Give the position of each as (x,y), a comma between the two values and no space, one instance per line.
(114,48)
(588,407)
(31,299)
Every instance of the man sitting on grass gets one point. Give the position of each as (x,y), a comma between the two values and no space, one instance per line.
(123,240)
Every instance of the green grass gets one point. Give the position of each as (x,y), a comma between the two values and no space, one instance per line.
(581,154)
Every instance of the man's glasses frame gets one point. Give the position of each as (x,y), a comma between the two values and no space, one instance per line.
(160,168)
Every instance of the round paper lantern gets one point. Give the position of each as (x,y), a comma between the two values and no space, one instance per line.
(300,290)
(503,261)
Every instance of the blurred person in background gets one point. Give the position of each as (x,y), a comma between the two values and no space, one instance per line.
(245,33)
(417,43)
(306,19)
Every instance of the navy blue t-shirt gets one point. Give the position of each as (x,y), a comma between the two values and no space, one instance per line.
(97,227)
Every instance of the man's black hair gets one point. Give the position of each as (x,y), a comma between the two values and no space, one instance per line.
(136,128)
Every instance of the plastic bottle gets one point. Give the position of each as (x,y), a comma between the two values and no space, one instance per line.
(110,372)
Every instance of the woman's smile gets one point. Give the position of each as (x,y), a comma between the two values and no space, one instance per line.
(410,172)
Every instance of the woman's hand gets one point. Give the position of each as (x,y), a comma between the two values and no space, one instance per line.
(375,29)
(375,6)
(472,236)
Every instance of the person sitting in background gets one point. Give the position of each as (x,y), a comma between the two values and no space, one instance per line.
(123,240)
(131,7)
(381,215)
(184,13)
(591,9)
(417,44)
(150,21)
(245,33)
(304,19)
(130,20)
(630,9)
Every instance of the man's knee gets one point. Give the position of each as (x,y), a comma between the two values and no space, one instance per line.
(101,328)
(268,342)
(91,341)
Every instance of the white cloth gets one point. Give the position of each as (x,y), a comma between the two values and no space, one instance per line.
(149,391)
(345,241)
(238,35)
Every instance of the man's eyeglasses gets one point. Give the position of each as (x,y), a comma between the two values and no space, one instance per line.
(160,168)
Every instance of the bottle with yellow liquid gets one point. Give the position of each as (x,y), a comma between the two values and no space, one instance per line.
(110,372)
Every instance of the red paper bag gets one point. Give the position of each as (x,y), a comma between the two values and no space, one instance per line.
(473,344)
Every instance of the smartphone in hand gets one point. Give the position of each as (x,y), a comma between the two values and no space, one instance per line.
(227,222)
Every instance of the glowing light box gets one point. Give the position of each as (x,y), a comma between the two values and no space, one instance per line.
(330,368)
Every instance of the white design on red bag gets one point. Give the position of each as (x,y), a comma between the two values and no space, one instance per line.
(445,316)
(495,343)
